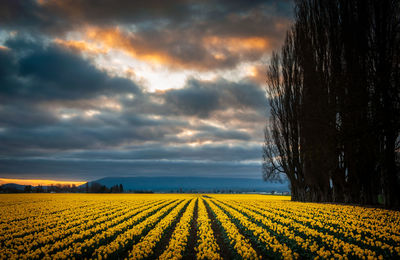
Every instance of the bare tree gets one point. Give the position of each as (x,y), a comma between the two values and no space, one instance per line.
(282,140)
(335,103)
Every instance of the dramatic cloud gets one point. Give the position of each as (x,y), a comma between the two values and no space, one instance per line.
(54,73)
(177,48)
(185,34)
(202,98)
(124,88)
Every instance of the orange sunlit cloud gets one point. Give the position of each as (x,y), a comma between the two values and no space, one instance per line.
(236,44)
(252,71)
(42,2)
(82,46)
(100,40)
(39,182)
(257,73)
(115,38)
(4,48)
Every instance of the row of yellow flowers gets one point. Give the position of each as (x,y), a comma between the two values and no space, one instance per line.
(284,232)
(28,225)
(207,247)
(51,233)
(291,227)
(147,243)
(29,209)
(124,238)
(37,242)
(92,231)
(68,226)
(240,243)
(178,242)
(363,221)
(270,243)
(94,235)
(350,228)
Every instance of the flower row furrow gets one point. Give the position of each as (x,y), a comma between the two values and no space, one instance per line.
(332,247)
(55,230)
(124,239)
(236,239)
(178,242)
(341,229)
(269,241)
(99,234)
(147,243)
(207,247)
(89,228)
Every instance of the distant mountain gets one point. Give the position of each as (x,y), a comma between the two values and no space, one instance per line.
(195,184)
(13,186)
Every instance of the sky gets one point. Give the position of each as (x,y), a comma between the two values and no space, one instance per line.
(90,89)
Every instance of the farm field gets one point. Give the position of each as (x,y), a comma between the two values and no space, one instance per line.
(190,226)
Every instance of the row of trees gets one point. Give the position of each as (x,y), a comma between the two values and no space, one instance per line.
(63,188)
(95,187)
(335,104)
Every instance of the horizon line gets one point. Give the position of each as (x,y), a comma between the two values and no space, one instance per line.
(37,182)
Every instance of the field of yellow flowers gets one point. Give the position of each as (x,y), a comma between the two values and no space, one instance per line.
(191,226)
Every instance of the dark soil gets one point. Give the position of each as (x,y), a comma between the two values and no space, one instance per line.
(247,234)
(225,252)
(163,243)
(190,253)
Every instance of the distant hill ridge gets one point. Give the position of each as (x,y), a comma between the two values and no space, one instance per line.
(185,184)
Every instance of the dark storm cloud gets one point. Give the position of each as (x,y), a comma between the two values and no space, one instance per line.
(94,169)
(7,63)
(51,72)
(200,45)
(193,100)
(28,15)
(66,137)
(201,98)
(203,153)
(203,35)
(35,78)
(62,15)
(219,134)
(25,115)
(97,133)
(43,75)
(32,73)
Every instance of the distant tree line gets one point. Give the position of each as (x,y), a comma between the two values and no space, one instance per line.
(335,103)
(94,187)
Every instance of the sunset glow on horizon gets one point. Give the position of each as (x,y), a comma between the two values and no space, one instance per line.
(36,182)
